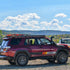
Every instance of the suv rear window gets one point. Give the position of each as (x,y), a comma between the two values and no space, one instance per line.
(4,43)
(15,41)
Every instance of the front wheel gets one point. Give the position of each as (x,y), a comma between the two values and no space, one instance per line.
(21,59)
(62,57)
(51,60)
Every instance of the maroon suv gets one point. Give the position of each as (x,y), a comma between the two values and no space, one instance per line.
(19,49)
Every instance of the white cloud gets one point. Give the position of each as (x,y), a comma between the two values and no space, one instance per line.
(61,15)
(44,23)
(61,22)
(20,21)
(54,21)
(22,18)
(66,26)
(31,22)
(49,23)
(69,19)
(52,25)
(34,22)
(57,26)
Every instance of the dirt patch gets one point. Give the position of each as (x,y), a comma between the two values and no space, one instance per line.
(35,65)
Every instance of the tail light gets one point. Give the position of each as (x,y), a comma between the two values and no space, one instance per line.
(5,49)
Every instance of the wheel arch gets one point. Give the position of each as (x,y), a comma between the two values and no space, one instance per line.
(62,50)
(22,51)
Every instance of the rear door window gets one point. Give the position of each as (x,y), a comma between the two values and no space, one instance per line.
(31,41)
(15,41)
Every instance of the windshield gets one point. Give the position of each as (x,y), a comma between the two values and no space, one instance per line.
(4,43)
(66,41)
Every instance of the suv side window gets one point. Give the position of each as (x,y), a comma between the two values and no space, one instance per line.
(31,41)
(39,42)
(26,42)
(43,41)
(15,41)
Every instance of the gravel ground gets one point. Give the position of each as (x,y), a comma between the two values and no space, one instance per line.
(35,65)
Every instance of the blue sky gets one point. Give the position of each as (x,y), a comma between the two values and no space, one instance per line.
(35,15)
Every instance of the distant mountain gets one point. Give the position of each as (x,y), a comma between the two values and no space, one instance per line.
(41,32)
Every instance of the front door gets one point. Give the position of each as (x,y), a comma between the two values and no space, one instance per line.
(48,48)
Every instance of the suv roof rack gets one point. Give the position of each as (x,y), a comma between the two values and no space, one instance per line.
(23,35)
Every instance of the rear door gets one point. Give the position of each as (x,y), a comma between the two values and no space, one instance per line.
(15,44)
(34,48)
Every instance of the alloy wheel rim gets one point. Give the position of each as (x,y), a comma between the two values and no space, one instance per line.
(22,60)
(63,58)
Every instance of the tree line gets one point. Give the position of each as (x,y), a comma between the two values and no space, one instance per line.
(56,37)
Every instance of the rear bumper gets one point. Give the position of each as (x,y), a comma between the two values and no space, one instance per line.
(4,57)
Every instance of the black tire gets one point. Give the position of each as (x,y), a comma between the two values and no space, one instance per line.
(62,57)
(11,62)
(21,59)
(51,60)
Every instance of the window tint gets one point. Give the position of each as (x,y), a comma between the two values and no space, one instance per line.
(15,41)
(26,42)
(39,42)
(45,41)
(30,42)
(4,43)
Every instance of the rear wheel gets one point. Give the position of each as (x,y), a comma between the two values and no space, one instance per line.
(21,59)
(62,57)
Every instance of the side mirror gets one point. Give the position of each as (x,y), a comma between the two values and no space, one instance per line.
(52,38)
(53,43)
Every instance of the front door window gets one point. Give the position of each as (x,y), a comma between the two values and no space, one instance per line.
(43,41)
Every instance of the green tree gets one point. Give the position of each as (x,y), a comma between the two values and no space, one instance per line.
(1,36)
